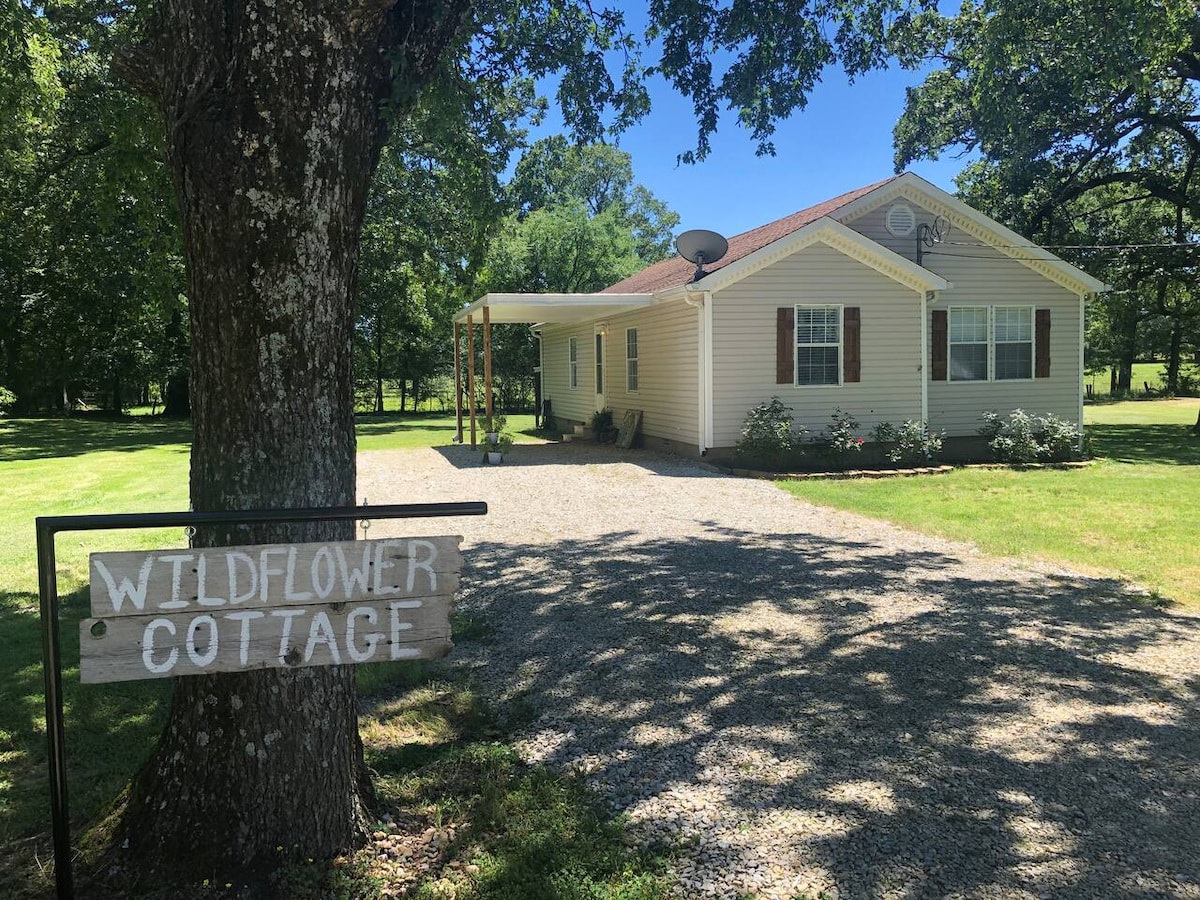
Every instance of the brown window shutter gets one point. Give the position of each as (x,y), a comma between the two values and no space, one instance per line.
(785,345)
(1041,345)
(852,344)
(938,349)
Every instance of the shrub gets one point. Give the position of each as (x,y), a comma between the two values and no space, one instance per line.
(1023,438)
(912,444)
(601,424)
(1060,439)
(839,439)
(769,437)
(7,400)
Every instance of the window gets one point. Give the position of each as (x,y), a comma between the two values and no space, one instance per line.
(599,362)
(991,343)
(818,345)
(573,362)
(969,343)
(631,360)
(1013,334)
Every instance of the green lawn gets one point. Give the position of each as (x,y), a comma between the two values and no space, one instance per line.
(54,467)
(1131,513)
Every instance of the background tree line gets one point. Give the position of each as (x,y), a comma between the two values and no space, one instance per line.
(93,305)
(1083,115)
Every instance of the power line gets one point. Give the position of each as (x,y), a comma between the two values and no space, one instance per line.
(1069,246)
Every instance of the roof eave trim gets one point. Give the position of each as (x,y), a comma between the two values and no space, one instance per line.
(836,235)
(580,301)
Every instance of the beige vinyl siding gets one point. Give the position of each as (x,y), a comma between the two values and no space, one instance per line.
(579,403)
(668,386)
(744,316)
(990,278)
(668,393)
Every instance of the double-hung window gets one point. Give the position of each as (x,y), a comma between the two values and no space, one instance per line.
(573,362)
(818,345)
(991,343)
(631,360)
(968,343)
(1012,331)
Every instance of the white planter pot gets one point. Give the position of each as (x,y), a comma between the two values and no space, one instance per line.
(493,437)
(495,457)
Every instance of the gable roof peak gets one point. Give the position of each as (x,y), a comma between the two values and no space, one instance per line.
(677,271)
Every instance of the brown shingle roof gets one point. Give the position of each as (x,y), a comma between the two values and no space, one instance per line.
(676,272)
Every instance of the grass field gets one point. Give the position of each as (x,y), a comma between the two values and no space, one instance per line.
(434,746)
(1132,513)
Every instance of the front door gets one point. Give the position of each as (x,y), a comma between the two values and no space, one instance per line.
(601,368)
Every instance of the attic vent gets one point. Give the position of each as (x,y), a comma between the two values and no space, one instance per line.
(900,219)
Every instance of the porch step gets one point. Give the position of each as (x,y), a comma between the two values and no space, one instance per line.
(583,433)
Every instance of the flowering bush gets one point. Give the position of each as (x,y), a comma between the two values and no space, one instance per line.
(1022,438)
(769,437)
(912,444)
(839,440)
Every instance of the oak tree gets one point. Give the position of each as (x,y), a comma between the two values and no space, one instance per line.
(275,112)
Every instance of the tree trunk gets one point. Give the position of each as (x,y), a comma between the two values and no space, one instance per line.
(272,116)
(1174,355)
(176,399)
(378,362)
(117,390)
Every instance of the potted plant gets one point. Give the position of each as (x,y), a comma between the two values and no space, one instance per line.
(493,453)
(493,426)
(602,425)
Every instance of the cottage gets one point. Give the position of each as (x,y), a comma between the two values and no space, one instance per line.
(891,302)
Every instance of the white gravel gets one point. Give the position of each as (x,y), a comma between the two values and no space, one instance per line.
(795,700)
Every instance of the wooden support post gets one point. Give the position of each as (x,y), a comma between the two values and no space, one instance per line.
(487,364)
(471,374)
(458,380)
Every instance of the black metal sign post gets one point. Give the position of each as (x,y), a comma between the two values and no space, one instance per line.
(49,526)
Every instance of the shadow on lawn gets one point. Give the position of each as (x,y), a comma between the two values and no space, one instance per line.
(109,727)
(47,438)
(988,710)
(1164,444)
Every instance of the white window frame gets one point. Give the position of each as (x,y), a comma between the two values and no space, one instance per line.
(573,363)
(991,343)
(841,350)
(632,368)
(1032,341)
(986,342)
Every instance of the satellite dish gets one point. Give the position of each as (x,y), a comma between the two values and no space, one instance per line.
(701,246)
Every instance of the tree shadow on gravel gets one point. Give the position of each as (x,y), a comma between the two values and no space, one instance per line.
(927,732)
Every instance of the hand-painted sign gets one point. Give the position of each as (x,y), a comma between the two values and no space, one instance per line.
(163,613)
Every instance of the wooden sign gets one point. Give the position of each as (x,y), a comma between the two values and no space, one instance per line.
(164,613)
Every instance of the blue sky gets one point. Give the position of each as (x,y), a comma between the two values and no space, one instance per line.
(841,141)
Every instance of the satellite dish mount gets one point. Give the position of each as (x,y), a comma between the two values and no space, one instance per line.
(701,246)
(928,235)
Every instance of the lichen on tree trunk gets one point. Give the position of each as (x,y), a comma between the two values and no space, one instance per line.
(272,111)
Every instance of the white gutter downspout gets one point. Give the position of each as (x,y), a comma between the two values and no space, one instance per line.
(703,305)
(536,331)
(926,298)
(1082,333)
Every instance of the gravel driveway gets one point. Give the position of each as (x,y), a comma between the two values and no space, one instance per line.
(798,700)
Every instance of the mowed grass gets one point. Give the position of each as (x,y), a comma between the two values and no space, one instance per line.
(1144,373)
(1131,513)
(434,747)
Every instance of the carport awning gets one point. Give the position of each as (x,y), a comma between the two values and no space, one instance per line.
(551,308)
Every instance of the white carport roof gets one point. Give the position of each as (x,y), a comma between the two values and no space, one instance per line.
(551,308)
